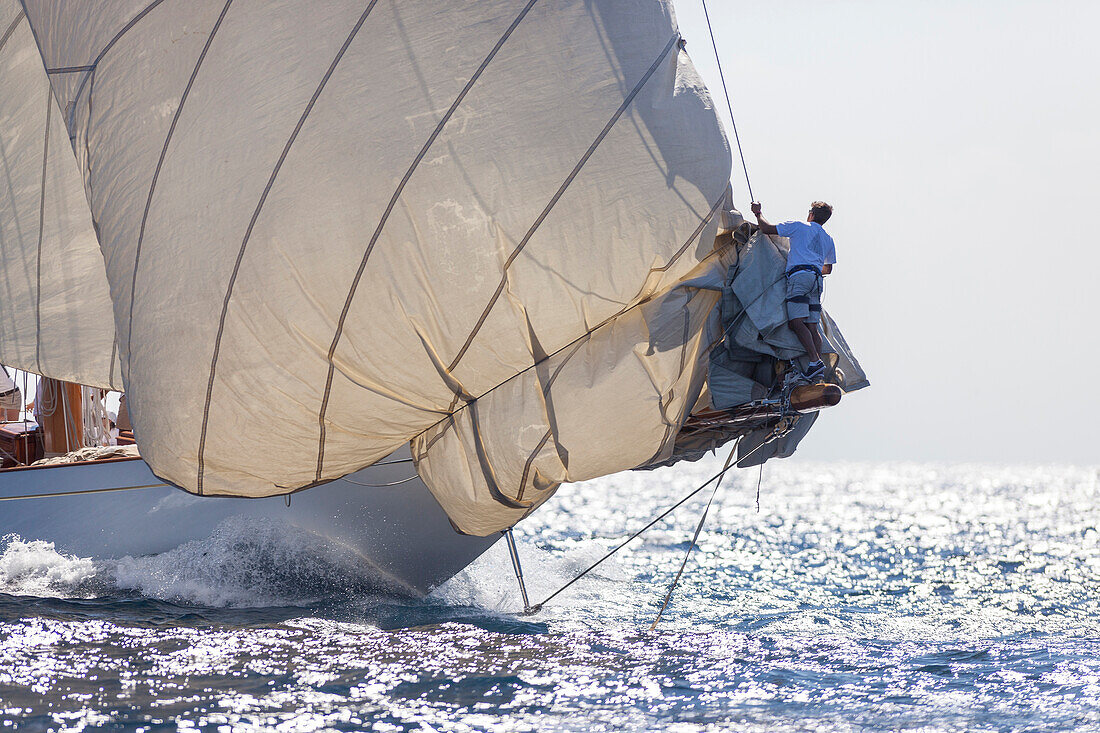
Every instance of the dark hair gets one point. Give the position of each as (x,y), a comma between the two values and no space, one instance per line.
(821,211)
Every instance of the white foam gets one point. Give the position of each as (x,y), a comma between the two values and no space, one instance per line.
(249,563)
(36,568)
(244,563)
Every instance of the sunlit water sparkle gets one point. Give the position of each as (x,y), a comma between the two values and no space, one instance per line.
(860,597)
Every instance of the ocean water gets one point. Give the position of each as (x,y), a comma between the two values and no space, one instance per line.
(859,597)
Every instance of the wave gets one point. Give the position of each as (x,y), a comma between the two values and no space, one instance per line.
(244,563)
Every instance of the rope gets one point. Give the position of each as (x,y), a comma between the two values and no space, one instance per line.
(96,423)
(759,480)
(45,399)
(716,477)
(694,540)
(729,106)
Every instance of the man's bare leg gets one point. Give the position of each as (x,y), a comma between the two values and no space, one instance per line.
(815,333)
(805,335)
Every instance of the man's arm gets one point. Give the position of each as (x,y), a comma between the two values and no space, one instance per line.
(765,225)
(827,269)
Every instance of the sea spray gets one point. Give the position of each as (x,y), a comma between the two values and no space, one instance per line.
(244,563)
(36,568)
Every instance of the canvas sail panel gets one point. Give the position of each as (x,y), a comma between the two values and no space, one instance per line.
(327,227)
(56,317)
(614,399)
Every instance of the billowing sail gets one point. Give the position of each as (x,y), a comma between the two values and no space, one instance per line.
(55,307)
(333,228)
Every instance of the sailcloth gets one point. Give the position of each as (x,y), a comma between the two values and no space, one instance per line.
(55,307)
(333,228)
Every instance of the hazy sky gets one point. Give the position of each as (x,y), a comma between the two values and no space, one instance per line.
(959,143)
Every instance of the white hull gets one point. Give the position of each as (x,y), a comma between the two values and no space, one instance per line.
(88,509)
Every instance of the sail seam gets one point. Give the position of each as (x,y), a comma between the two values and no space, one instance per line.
(550,431)
(118,36)
(11,29)
(530,462)
(156,173)
(251,225)
(694,235)
(557,196)
(70,69)
(41,227)
(385,217)
(88,152)
(680,252)
(669,424)
(587,334)
(606,44)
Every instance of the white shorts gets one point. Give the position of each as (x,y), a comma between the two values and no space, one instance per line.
(804,296)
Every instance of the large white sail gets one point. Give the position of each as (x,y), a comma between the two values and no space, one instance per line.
(332,228)
(55,308)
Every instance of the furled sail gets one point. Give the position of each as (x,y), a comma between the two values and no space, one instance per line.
(332,228)
(55,307)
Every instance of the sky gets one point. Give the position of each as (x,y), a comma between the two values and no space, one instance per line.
(959,143)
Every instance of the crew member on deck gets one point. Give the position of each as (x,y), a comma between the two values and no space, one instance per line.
(812,256)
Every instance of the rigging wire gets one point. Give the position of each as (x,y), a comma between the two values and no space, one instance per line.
(725,91)
(414,477)
(694,541)
(390,463)
(26,411)
(82,492)
(716,477)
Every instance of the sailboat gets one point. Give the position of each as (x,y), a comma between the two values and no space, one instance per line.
(388,273)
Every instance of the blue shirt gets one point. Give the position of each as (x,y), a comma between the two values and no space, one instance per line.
(810,244)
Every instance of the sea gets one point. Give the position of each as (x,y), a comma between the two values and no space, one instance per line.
(847,597)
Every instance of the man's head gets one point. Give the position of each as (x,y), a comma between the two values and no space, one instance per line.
(820,212)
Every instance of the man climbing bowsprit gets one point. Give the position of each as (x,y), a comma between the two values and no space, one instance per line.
(812,256)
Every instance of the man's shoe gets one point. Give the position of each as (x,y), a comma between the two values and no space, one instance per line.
(814,370)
